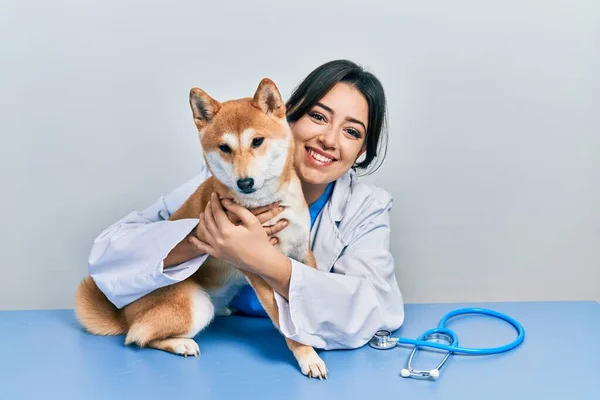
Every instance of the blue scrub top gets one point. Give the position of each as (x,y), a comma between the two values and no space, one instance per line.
(246,301)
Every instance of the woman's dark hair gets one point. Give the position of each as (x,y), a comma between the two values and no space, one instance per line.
(316,85)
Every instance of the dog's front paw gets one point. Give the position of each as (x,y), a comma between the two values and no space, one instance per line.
(311,364)
(182,346)
(187,347)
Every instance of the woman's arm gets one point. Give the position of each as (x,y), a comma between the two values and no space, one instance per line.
(144,250)
(182,252)
(343,309)
(129,258)
(340,309)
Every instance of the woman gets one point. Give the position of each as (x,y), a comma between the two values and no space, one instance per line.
(337,117)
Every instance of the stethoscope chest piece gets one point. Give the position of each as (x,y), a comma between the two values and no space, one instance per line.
(383,340)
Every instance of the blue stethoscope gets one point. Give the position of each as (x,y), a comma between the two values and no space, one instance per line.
(444,338)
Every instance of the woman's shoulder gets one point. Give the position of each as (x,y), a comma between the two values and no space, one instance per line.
(357,204)
(365,194)
(371,194)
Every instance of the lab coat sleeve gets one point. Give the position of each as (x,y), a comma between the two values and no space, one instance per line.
(126,259)
(344,308)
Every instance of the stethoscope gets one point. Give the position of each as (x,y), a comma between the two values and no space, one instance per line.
(444,338)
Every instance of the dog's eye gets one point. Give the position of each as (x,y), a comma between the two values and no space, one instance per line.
(224,148)
(256,142)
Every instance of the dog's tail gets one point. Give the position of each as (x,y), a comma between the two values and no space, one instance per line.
(95,312)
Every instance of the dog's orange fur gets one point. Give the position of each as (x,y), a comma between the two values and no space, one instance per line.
(163,319)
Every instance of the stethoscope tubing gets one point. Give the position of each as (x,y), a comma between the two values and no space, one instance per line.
(454,348)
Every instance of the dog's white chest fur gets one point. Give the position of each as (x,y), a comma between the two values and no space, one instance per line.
(293,239)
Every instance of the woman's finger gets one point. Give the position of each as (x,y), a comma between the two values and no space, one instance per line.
(256,211)
(273,241)
(210,221)
(232,217)
(205,248)
(260,210)
(202,232)
(219,215)
(276,228)
(244,215)
(270,214)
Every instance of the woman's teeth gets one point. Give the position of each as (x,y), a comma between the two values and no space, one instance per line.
(319,157)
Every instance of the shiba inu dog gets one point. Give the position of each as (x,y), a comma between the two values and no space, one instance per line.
(248,147)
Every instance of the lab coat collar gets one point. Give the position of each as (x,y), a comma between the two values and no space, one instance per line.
(327,241)
(341,195)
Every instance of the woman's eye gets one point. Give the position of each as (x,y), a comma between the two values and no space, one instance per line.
(316,116)
(256,142)
(354,133)
(224,148)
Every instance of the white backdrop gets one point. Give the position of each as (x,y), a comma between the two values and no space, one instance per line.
(494,148)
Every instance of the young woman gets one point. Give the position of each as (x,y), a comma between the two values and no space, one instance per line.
(337,116)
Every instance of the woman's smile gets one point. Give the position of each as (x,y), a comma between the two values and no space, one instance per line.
(319,158)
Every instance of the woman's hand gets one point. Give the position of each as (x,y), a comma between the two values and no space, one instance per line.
(240,243)
(264,214)
(246,245)
(186,250)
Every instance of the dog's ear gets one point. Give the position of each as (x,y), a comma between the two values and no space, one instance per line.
(268,99)
(203,107)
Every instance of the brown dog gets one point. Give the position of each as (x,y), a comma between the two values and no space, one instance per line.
(248,147)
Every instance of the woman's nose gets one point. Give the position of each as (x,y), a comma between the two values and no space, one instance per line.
(329,138)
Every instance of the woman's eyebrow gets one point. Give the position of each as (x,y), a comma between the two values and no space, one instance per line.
(349,119)
(325,107)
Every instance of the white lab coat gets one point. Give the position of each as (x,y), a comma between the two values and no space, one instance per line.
(339,306)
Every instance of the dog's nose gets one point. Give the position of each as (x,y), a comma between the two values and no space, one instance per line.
(245,184)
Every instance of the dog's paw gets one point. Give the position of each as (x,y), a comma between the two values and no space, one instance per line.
(183,346)
(312,365)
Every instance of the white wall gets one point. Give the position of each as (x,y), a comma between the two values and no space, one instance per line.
(493,158)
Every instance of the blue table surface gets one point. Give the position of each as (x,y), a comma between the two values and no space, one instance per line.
(46,354)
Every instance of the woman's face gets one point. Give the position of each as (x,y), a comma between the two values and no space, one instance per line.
(330,136)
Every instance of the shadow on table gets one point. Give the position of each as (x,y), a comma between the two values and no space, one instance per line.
(242,333)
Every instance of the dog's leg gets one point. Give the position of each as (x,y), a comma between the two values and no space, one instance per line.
(309,361)
(168,318)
